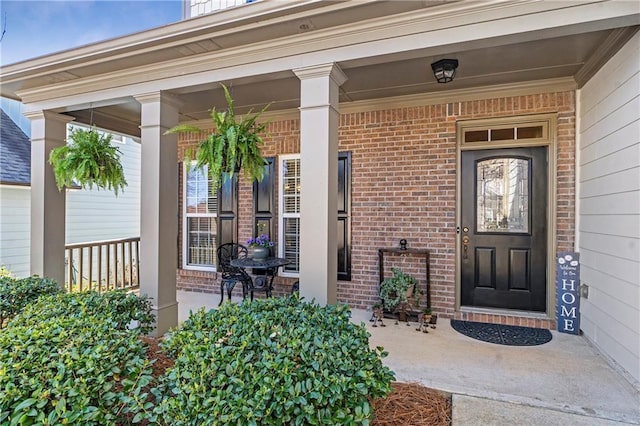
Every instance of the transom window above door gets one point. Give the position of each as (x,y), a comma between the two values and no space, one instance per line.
(504,134)
(507,131)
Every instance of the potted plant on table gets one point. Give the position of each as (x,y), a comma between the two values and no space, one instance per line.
(233,144)
(88,160)
(259,247)
(399,293)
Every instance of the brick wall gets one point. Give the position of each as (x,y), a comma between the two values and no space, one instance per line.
(404,186)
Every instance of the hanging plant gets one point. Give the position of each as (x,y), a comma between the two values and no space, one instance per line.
(88,160)
(233,144)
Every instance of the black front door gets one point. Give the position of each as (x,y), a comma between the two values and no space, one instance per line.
(503,233)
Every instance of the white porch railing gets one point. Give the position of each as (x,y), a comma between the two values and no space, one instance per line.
(102,265)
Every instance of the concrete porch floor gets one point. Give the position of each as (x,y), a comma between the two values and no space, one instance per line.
(565,381)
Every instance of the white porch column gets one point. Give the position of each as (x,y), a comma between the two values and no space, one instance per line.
(319,121)
(159,207)
(48,131)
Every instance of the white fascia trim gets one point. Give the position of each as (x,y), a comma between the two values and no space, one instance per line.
(433,34)
(160,37)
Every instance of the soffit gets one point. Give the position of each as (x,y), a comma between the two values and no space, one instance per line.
(503,64)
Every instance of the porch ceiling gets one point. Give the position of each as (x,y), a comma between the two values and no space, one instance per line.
(485,62)
(387,77)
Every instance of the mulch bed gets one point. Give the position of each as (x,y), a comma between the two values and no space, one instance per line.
(409,404)
(154,352)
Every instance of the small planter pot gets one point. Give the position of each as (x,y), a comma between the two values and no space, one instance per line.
(259,252)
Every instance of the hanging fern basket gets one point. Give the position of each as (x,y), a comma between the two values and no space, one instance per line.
(88,160)
(234,144)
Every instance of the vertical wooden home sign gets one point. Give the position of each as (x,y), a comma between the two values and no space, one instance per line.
(568,284)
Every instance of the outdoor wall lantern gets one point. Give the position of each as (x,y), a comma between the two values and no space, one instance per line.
(444,70)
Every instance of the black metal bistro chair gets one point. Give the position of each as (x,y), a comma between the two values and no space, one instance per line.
(230,274)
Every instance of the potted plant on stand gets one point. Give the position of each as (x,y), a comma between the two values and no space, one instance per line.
(399,293)
(233,144)
(88,160)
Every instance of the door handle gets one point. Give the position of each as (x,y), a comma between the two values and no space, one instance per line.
(465,247)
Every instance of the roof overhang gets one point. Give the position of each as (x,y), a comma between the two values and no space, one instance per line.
(384,48)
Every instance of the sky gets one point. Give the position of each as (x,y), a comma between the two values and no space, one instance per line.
(35,27)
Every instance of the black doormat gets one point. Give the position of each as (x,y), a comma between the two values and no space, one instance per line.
(511,335)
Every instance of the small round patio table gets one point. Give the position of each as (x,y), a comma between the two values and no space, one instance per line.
(270,265)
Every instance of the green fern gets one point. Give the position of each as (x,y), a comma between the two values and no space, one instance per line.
(232,145)
(89,160)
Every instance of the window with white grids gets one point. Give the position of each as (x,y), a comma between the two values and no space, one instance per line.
(200,220)
(289,214)
(202,7)
(289,241)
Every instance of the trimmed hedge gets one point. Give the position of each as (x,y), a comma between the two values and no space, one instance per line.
(276,361)
(17,293)
(117,308)
(74,359)
(71,359)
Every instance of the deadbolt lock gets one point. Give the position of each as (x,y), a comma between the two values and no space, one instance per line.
(465,239)
(465,229)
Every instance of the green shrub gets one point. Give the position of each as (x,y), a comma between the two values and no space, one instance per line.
(71,359)
(117,308)
(274,361)
(16,293)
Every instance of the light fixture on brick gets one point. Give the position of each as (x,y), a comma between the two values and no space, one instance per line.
(444,70)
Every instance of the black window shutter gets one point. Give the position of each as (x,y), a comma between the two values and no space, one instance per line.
(264,206)
(228,210)
(264,202)
(344,216)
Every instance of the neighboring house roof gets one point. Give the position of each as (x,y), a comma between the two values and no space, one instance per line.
(15,153)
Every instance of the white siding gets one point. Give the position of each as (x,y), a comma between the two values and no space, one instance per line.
(91,215)
(15,211)
(609,217)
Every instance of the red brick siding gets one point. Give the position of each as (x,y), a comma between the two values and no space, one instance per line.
(404,186)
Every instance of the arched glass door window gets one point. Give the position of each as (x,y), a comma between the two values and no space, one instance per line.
(502,195)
